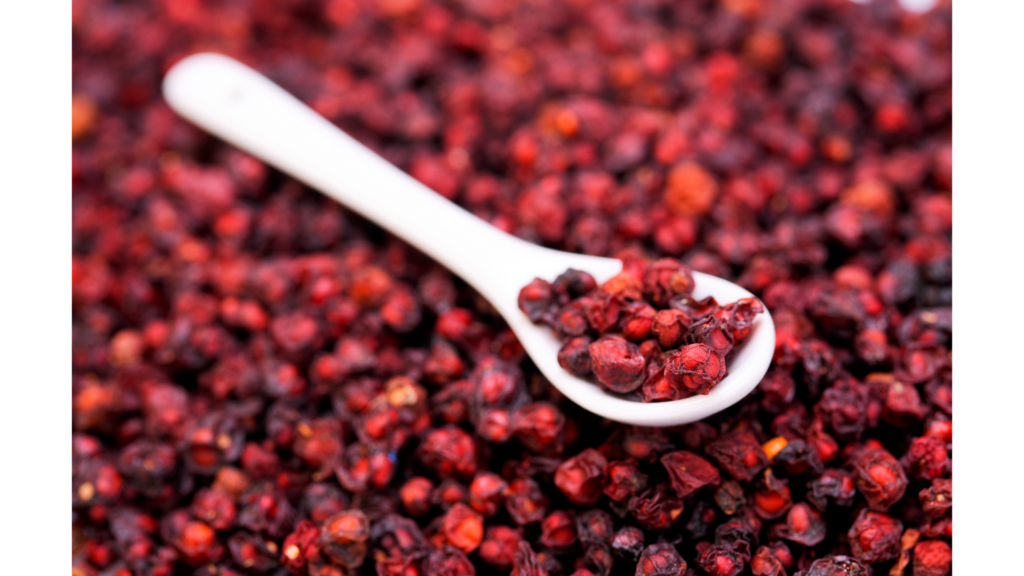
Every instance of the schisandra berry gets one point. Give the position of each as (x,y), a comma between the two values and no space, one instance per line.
(697,367)
(617,364)
(344,536)
(660,560)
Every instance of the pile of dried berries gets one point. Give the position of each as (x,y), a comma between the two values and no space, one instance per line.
(264,383)
(641,330)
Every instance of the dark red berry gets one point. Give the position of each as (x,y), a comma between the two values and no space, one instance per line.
(695,366)
(617,364)
(660,560)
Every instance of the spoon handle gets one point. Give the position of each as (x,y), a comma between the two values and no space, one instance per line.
(245,108)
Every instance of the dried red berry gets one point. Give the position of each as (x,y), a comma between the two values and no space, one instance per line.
(933,558)
(603,311)
(574,356)
(253,551)
(803,525)
(772,499)
(875,537)
(838,566)
(540,426)
(595,526)
(670,328)
(573,283)
(637,321)
(937,499)
(499,546)
(695,366)
(878,476)
(628,543)
(739,454)
(197,543)
(665,279)
(301,547)
(558,531)
(463,527)
(449,451)
(835,484)
(690,190)
(448,561)
(719,560)
(689,472)
(535,299)
(580,477)
(656,508)
(765,563)
(525,502)
(486,493)
(617,364)
(660,560)
(343,538)
(525,562)
(415,495)
(215,507)
(927,458)
(622,479)
(448,493)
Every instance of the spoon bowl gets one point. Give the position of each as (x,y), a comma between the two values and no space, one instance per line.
(246,109)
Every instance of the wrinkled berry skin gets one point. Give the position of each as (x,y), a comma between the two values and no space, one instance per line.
(540,427)
(486,493)
(670,328)
(739,454)
(463,527)
(927,458)
(697,367)
(666,279)
(660,560)
(526,562)
(837,485)
(875,537)
(300,547)
(574,356)
(879,477)
(637,321)
(450,452)
(617,364)
(689,472)
(499,546)
(535,299)
(628,543)
(525,502)
(343,538)
(447,560)
(558,531)
(937,499)
(656,508)
(933,558)
(572,284)
(719,560)
(580,477)
(622,479)
(764,563)
(837,566)
(803,525)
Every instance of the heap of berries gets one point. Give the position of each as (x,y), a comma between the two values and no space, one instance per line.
(641,330)
(266,384)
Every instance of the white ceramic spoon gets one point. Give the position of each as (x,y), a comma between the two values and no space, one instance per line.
(241,106)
